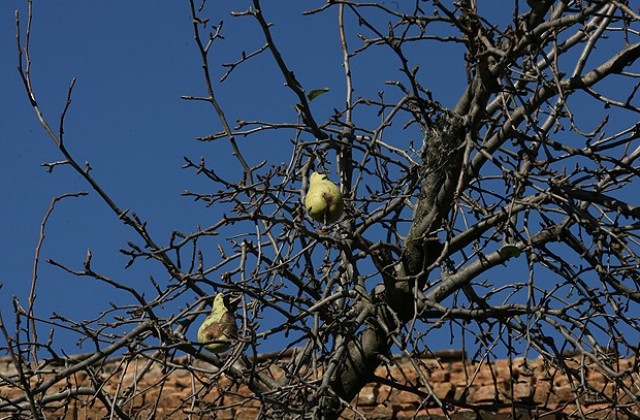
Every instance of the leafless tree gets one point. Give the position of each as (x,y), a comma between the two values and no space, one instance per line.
(506,216)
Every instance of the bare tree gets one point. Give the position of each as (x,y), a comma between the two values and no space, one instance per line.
(510,218)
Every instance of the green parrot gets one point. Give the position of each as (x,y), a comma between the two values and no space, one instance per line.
(324,199)
(219,328)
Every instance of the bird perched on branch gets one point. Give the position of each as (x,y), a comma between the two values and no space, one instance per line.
(324,199)
(219,328)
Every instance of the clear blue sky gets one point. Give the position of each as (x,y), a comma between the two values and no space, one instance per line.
(133,60)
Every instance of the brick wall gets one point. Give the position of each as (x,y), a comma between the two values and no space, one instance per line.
(500,390)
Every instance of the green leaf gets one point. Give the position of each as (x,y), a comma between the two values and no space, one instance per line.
(509,251)
(316,92)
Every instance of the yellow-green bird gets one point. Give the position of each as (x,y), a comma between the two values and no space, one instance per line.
(219,328)
(324,199)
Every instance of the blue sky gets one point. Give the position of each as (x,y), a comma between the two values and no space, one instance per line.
(126,120)
(133,61)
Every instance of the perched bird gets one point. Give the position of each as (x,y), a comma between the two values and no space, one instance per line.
(219,328)
(324,200)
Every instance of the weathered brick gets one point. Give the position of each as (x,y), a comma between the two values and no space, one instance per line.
(523,391)
(541,394)
(402,398)
(187,393)
(367,396)
(444,390)
(487,393)
(563,394)
(440,376)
